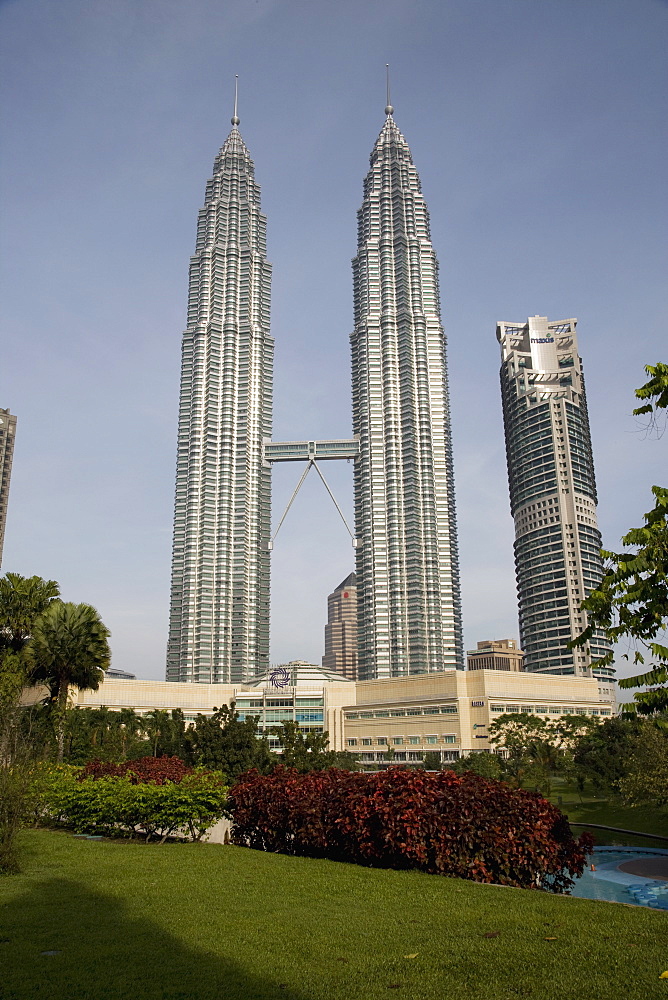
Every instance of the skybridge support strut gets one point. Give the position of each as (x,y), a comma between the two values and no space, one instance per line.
(307,451)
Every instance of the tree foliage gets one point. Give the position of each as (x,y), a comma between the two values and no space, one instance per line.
(103,734)
(537,749)
(631,602)
(22,600)
(487,765)
(225,743)
(646,778)
(602,754)
(308,751)
(532,755)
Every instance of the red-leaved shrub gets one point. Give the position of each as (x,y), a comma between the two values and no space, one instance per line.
(443,823)
(156,770)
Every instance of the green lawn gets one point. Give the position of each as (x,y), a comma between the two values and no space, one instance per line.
(205,922)
(597,808)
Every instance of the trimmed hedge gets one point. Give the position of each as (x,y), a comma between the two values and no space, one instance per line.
(443,823)
(154,769)
(122,805)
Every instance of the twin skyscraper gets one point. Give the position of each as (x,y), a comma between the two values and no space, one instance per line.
(408,592)
(409,618)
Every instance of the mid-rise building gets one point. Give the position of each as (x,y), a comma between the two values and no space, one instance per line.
(341,629)
(552,494)
(219,618)
(408,596)
(7,436)
(495,654)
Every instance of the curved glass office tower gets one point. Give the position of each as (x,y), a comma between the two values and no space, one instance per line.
(552,493)
(219,621)
(409,618)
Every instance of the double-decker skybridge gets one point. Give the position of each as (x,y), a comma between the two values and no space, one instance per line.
(310,452)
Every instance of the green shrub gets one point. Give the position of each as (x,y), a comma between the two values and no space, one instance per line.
(116,805)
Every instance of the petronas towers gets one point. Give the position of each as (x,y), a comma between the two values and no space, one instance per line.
(407,571)
(219,619)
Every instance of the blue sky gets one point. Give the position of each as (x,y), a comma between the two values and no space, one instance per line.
(538,129)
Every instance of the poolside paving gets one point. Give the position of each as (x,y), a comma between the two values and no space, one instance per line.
(654,868)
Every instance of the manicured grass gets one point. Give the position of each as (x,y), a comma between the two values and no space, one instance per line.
(205,922)
(595,808)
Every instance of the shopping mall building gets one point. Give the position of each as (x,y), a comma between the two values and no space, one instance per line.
(448,712)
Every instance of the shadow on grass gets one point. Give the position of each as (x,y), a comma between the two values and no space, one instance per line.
(101,953)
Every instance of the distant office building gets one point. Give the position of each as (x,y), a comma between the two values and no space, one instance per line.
(496,654)
(409,612)
(341,629)
(7,434)
(219,618)
(552,493)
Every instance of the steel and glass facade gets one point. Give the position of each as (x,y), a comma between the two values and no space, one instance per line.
(7,437)
(552,493)
(409,616)
(219,621)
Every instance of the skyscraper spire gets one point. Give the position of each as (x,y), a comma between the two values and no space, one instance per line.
(235,117)
(409,615)
(219,620)
(388,107)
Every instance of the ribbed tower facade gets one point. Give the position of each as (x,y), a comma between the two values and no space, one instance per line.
(408,600)
(552,493)
(219,621)
(7,436)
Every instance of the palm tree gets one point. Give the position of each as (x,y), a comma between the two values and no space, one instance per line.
(130,725)
(155,724)
(68,647)
(22,600)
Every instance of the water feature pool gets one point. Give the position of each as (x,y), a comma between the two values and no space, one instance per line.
(615,886)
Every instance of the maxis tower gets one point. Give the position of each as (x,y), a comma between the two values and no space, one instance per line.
(552,494)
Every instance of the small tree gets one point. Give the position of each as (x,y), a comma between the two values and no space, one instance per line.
(22,601)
